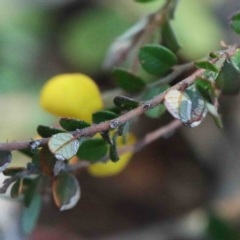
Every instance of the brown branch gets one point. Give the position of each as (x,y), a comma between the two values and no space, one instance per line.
(149,138)
(93,129)
(104,126)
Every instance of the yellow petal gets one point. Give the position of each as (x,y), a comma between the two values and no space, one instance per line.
(112,168)
(71,95)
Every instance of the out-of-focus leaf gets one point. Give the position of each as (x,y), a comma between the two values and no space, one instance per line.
(206,89)
(228,80)
(31,190)
(47,161)
(169,38)
(206,65)
(87,36)
(63,146)
(156,59)
(45,131)
(123,131)
(214,113)
(106,136)
(213,55)
(128,81)
(5,159)
(66,191)
(125,103)
(218,229)
(11,171)
(120,48)
(30,214)
(92,149)
(102,116)
(27,152)
(235,22)
(157,111)
(17,188)
(235,59)
(113,153)
(72,124)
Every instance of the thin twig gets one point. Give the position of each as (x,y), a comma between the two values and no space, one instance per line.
(104,126)
(177,71)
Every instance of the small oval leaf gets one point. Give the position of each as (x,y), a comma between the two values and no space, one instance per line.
(128,81)
(169,38)
(125,103)
(228,80)
(63,146)
(30,214)
(206,65)
(17,188)
(102,116)
(11,171)
(156,59)
(46,131)
(66,191)
(5,159)
(157,111)
(72,124)
(92,149)
(235,22)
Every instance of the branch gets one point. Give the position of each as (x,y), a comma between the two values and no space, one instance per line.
(104,126)
(149,138)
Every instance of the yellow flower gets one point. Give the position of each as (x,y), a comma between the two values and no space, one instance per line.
(112,168)
(71,95)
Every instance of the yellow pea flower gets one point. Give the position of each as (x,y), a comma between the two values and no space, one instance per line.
(71,95)
(112,168)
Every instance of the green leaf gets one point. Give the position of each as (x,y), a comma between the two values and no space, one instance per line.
(106,136)
(11,171)
(46,131)
(206,65)
(17,188)
(214,113)
(206,89)
(36,159)
(123,131)
(156,59)
(30,214)
(125,103)
(63,145)
(113,153)
(157,111)
(72,124)
(92,149)
(128,81)
(228,80)
(235,22)
(102,116)
(218,229)
(47,161)
(27,152)
(169,38)
(32,187)
(235,59)
(66,191)
(213,55)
